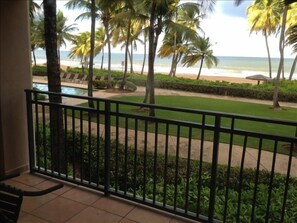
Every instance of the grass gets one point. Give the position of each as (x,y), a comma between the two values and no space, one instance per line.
(226,106)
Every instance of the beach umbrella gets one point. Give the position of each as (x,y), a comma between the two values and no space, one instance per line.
(259,77)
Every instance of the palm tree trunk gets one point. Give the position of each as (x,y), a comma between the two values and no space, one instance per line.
(54,85)
(150,77)
(281,62)
(200,68)
(131,59)
(293,68)
(172,65)
(268,54)
(34,57)
(106,26)
(174,53)
(126,55)
(92,43)
(144,55)
(82,66)
(58,52)
(102,58)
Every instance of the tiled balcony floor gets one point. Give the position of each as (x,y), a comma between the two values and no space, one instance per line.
(74,203)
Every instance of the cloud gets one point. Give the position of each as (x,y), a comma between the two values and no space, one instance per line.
(229,8)
(230,36)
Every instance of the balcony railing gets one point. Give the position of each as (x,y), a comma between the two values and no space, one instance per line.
(206,166)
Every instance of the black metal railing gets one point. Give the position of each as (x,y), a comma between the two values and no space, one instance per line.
(206,166)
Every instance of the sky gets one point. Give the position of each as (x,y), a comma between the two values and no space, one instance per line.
(226,26)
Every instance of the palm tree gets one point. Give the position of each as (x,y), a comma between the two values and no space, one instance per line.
(199,50)
(33,8)
(145,37)
(136,30)
(104,11)
(81,49)
(175,45)
(36,37)
(63,31)
(128,24)
(286,4)
(291,34)
(38,32)
(91,12)
(92,48)
(185,23)
(54,83)
(291,37)
(122,32)
(158,12)
(106,14)
(264,16)
(100,43)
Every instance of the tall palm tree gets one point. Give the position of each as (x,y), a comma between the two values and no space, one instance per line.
(128,24)
(175,45)
(200,50)
(104,11)
(100,43)
(33,8)
(81,48)
(291,40)
(92,48)
(286,6)
(157,11)
(91,11)
(145,37)
(291,37)
(54,83)
(264,16)
(63,31)
(122,32)
(185,23)
(36,35)
(106,14)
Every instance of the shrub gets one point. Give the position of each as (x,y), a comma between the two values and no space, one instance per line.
(87,152)
(287,89)
(130,86)
(100,84)
(41,70)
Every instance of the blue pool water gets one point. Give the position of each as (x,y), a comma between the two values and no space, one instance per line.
(65,90)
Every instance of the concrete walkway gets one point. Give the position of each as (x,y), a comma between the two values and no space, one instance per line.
(251,156)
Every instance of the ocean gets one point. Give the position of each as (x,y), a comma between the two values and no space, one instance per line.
(227,66)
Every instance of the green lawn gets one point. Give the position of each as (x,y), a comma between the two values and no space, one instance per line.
(219,105)
(216,105)
(226,106)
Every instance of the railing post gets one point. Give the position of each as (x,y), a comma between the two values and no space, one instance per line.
(215,155)
(107,149)
(30,130)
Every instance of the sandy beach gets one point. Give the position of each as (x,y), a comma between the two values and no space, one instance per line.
(219,78)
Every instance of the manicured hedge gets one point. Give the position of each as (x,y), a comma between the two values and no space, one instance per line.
(125,177)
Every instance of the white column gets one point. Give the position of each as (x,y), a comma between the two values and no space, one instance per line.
(15,76)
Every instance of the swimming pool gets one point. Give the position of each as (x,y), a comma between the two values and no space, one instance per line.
(65,89)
